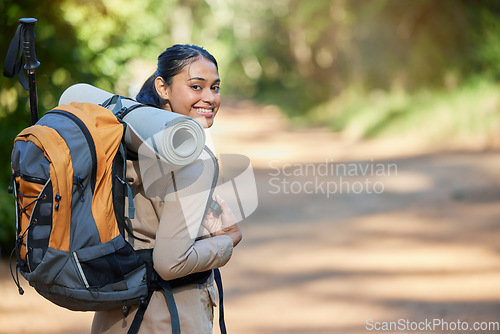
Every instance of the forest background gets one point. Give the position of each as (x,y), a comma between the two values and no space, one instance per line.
(363,68)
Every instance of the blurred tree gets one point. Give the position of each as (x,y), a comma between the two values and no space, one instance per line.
(57,51)
(297,54)
(76,41)
(482,36)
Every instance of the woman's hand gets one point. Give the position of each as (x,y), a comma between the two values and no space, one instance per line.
(225,224)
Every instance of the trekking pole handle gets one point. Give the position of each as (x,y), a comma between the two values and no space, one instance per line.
(29,43)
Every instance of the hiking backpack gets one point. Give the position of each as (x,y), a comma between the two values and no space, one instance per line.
(69,183)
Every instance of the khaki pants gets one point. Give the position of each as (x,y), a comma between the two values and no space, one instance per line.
(194,302)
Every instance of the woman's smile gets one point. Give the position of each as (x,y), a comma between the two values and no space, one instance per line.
(205,112)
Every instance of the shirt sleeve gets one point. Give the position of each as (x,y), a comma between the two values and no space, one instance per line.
(177,251)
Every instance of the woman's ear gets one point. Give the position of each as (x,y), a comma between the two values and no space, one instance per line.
(161,88)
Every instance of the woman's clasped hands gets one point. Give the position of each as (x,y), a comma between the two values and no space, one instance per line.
(224,224)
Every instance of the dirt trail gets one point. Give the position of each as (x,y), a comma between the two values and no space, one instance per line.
(344,232)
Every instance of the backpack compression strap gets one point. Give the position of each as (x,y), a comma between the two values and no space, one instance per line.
(174,315)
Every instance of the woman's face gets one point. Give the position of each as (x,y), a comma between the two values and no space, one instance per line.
(194,92)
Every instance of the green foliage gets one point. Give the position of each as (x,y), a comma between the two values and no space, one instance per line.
(470,111)
(55,49)
(484,48)
(367,68)
(8,228)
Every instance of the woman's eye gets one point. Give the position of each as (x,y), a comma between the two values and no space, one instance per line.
(196,87)
(216,88)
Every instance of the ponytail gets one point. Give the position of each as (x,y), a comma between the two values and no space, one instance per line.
(148,93)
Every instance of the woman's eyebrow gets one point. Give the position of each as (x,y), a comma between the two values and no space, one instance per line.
(202,79)
(197,78)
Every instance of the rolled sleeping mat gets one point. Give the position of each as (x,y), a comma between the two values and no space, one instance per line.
(176,139)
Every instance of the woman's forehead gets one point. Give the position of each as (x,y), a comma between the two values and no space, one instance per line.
(201,69)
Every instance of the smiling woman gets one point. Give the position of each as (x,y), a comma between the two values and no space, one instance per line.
(189,239)
(186,82)
(193,92)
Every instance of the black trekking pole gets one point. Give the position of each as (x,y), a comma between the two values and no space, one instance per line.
(31,64)
(24,43)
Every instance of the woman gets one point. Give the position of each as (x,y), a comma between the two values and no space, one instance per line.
(186,82)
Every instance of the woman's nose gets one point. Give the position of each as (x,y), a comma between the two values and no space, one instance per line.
(208,96)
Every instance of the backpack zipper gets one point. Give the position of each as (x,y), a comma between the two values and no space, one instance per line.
(89,139)
(214,180)
(32,179)
(80,270)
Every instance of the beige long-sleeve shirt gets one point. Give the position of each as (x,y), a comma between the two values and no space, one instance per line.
(168,215)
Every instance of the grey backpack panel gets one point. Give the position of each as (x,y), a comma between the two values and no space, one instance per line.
(81,281)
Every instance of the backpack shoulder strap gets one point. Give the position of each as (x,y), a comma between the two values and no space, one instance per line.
(155,283)
(218,282)
(174,315)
